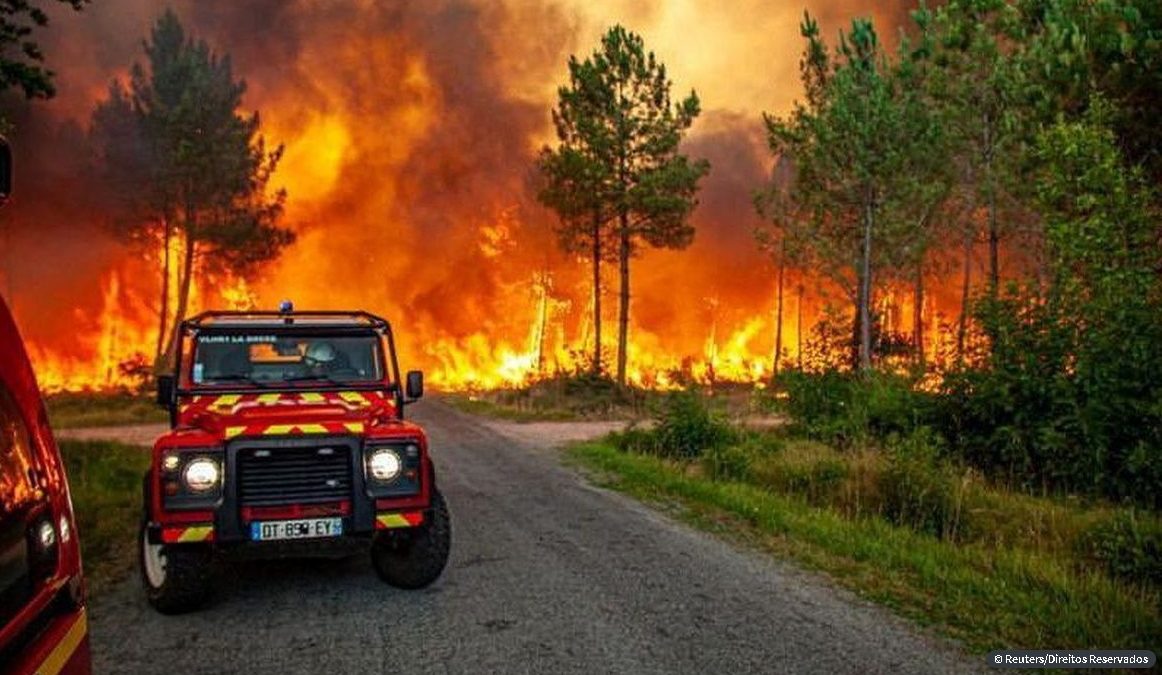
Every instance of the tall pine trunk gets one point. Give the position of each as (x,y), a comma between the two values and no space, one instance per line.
(779,313)
(596,293)
(990,187)
(965,287)
(163,312)
(623,311)
(918,315)
(799,326)
(865,287)
(189,257)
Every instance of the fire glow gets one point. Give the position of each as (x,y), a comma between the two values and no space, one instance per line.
(409,134)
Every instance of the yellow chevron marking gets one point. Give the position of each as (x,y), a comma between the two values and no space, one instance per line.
(312,429)
(354,397)
(268,399)
(197,533)
(278,429)
(391,520)
(231,432)
(354,427)
(312,397)
(226,401)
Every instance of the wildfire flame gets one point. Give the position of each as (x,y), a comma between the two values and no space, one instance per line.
(410,132)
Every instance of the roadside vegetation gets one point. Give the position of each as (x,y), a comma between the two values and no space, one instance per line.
(72,410)
(580,395)
(105,482)
(898,519)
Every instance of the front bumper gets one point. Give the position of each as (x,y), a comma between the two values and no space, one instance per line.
(362,515)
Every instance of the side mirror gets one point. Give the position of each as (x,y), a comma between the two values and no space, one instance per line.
(165,390)
(415,384)
(5,170)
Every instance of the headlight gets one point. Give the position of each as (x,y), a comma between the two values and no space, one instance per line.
(384,464)
(201,475)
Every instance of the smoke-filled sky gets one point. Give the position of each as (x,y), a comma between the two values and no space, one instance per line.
(410,128)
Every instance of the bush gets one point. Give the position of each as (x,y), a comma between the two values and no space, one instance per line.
(921,490)
(635,439)
(733,462)
(687,427)
(808,469)
(847,408)
(1128,546)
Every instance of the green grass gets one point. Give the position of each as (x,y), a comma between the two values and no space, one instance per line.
(986,597)
(71,410)
(105,482)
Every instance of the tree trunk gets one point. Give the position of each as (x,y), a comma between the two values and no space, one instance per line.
(990,189)
(623,312)
(962,328)
(542,319)
(994,248)
(918,315)
(596,293)
(779,314)
(799,327)
(864,301)
(163,313)
(187,275)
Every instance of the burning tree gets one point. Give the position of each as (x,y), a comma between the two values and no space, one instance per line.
(617,171)
(191,172)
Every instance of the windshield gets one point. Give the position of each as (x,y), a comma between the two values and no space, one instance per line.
(260,359)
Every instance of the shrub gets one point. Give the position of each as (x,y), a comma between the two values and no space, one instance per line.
(687,427)
(803,468)
(847,408)
(921,490)
(734,461)
(635,439)
(1128,546)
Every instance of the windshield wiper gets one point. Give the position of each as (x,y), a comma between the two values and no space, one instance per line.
(324,377)
(239,378)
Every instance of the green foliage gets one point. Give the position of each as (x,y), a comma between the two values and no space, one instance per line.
(806,469)
(1111,49)
(1128,546)
(105,483)
(1068,396)
(20,55)
(616,179)
(920,490)
(858,145)
(733,461)
(68,410)
(847,408)
(686,426)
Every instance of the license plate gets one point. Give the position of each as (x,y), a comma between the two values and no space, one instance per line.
(308,528)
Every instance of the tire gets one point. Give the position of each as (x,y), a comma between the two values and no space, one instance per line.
(176,578)
(414,558)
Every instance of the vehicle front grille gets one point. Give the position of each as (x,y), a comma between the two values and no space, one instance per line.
(295,475)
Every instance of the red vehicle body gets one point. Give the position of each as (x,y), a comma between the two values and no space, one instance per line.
(266,454)
(42,590)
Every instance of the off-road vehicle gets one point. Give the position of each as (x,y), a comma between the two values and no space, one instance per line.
(44,625)
(287,437)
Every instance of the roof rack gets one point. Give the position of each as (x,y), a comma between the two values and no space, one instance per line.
(220,317)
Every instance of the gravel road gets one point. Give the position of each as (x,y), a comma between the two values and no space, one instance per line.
(548,575)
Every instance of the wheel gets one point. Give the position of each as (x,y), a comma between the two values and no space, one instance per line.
(177,578)
(415,557)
